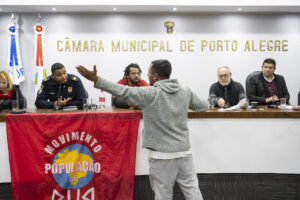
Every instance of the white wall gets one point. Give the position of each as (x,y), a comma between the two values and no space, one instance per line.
(194,69)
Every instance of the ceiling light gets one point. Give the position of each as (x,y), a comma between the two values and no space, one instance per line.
(0,9)
(114,9)
(174,9)
(239,9)
(54,9)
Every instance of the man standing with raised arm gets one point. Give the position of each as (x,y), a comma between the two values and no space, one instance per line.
(165,108)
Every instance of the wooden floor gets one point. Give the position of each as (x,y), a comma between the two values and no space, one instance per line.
(220,187)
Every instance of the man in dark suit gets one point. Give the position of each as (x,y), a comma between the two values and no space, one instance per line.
(267,87)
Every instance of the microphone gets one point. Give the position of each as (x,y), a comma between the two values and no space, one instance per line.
(58,107)
(17,97)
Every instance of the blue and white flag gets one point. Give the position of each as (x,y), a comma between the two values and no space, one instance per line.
(15,66)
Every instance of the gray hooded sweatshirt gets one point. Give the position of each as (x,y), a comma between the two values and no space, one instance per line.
(165,108)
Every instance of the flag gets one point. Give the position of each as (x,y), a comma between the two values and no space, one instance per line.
(15,66)
(39,55)
(86,156)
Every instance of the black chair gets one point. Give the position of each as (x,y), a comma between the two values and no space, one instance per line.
(25,102)
(86,94)
(248,78)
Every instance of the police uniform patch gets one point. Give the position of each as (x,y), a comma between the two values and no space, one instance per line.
(45,79)
(74,78)
(69,89)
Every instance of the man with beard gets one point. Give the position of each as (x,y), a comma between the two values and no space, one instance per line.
(226,92)
(132,78)
(60,89)
(267,87)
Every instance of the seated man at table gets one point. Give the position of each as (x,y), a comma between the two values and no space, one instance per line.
(60,89)
(132,78)
(266,87)
(226,92)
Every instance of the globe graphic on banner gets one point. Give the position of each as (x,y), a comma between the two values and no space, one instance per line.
(72,164)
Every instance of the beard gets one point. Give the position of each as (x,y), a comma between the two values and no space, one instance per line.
(134,81)
(224,83)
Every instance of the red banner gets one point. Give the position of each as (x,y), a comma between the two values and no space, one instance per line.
(84,156)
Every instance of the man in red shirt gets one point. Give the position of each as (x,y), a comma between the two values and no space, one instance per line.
(132,78)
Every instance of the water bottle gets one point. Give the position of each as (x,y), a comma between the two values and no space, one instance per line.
(102,100)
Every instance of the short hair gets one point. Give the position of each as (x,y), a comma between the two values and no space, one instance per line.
(270,61)
(4,75)
(162,67)
(127,69)
(225,68)
(56,66)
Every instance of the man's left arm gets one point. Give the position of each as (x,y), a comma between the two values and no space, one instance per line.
(80,95)
(212,96)
(197,104)
(136,95)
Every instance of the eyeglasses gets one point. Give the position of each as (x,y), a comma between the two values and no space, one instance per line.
(223,75)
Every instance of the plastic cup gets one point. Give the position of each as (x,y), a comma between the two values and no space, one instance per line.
(85,105)
(282,103)
(254,104)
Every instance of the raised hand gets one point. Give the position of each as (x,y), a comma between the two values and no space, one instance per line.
(88,74)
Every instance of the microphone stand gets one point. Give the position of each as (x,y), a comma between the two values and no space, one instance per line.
(18,111)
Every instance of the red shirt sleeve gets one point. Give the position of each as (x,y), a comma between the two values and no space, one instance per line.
(142,83)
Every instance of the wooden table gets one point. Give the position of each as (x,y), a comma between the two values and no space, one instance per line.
(250,141)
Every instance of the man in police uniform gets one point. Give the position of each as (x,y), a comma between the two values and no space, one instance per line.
(60,89)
